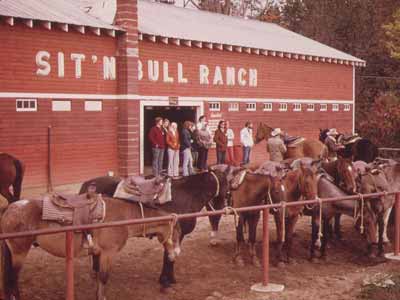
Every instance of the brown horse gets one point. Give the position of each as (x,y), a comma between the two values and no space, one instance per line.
(107,241)
(298,184)
(11,174)
(307,148)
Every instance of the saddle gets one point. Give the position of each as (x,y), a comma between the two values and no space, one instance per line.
(237,179)
(149,191)
(73,209)
(293,141)
(346,139)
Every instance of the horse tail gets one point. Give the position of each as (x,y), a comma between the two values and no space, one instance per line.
(7,271)
(19,176)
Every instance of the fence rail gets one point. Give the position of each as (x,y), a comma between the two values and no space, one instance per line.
(69,230)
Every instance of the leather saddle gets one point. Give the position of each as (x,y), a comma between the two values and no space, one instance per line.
(73,209)
(346,139)
(156,190)
(293,141)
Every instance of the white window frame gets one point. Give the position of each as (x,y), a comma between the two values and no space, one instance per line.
(283,106)
(61,105)
(267,106)
(233,106)
(346,107)
(25,108)
(94,105)
(214,106)
(310,106)
(323,107)
(335,107)
(296,106)
(251,106)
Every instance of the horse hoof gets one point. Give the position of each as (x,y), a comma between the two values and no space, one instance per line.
(292,262)
(324,258)
(280,265)
(256,262)
(314,260)
(239,261)
(213,242)
(167,290)
(371,255)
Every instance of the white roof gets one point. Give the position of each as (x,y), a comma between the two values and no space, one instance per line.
(188,24)
(60,11)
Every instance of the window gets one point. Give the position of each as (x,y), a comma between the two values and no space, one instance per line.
(323,107)
(93,105)
(61,105)
(251,106)
(347,107)
(335,107)
(310,107)
(297,107)
(26,104)
(214,106)
(282,106)
(267,107)
(233,106)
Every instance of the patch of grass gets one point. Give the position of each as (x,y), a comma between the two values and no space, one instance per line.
(372,292)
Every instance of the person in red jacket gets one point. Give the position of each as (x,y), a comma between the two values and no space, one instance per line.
(221,141)
(157,140)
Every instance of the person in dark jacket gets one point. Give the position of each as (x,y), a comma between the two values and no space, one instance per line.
(186,145)
(221,141)
(157,140)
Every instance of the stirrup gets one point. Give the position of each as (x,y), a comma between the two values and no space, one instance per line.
(88,241)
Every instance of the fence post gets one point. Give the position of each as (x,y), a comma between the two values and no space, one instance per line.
(265,286)
(395,254)
(69,260)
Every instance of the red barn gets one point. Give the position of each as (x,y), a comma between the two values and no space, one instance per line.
(78,94)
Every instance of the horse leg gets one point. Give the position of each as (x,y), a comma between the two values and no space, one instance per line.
(386,216)
(314,237)
(103,274)
(239,241)
(279,238)
(291,223)
(381,225)
(325,236)
(214,222)
(253,221)
(338,233)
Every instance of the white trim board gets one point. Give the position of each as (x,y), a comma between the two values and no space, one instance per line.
(134,97)
(199,111)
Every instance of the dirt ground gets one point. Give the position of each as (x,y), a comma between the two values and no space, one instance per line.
(205,272)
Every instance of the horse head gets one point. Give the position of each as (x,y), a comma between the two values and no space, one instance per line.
(308,180)
(263,132)
(347,175)
(323,135)
(224,174)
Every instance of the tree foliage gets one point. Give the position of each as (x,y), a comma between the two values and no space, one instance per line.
(392,31)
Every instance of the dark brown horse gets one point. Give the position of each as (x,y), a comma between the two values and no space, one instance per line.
(189,194)
(107,241)
(11,174)
(307,148)
(356,149)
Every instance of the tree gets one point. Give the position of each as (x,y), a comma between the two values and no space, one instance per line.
(392,31)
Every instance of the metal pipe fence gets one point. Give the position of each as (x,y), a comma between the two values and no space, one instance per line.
(69,230)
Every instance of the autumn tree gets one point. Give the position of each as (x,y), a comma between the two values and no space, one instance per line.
(392,32)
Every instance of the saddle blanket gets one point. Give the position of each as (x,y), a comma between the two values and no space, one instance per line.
(93,212)
(145,191)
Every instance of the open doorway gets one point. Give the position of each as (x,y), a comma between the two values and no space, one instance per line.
(177,114)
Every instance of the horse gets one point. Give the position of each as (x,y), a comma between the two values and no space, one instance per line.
(321,216)
(107,242)
(307,148)
(189,194)
(11,174)
(356,147)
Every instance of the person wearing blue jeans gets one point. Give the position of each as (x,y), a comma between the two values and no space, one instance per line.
(157,140)
(186,136)
(246,139)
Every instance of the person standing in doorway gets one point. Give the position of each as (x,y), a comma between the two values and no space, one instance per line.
(165,128)
(246,139)
(157,140)
(229,150)
(275,145)
(202,123)
(173,144)
(186,145)
(193,141)
(221,141)
(204,142)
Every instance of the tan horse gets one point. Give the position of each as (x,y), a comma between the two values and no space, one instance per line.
(26,215)
(307,148)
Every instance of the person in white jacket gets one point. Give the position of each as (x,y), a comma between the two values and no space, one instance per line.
(246,139)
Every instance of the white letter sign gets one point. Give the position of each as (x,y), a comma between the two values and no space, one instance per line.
(41,61)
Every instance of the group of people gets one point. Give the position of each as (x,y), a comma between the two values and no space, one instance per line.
(194,142)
